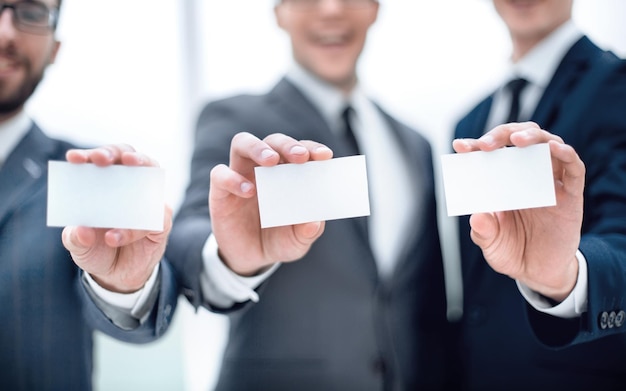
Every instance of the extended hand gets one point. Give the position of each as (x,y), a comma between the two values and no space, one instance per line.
(120,260)
(243,245)
(534,246)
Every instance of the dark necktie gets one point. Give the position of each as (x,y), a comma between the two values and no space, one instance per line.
(348,134)
(515,87)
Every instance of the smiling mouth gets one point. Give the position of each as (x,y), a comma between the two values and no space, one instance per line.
(331,39)
(7,64)
(522,3)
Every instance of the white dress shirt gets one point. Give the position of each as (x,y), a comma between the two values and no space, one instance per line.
(11,133)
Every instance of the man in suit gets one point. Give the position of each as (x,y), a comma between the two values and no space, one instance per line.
(45,340)
(575,292)
(364,308)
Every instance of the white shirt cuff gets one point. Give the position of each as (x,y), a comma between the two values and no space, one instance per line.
(221,286)
(129,302)
(573,305)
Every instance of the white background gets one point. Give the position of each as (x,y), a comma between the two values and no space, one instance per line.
(138,71)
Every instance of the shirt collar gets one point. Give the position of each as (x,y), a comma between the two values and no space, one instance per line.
(12,132)
(539,65)
(329,100)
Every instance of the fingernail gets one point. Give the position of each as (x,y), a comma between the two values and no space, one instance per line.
(322,149)
(116,236)
(246,187)
(267,153)
(466,143)
(81,152)
(487,139)
(298,150)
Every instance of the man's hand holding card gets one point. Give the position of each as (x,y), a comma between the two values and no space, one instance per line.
(111,201)
(537,245)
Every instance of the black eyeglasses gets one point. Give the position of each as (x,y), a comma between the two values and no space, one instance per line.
(32,17)
(306,5)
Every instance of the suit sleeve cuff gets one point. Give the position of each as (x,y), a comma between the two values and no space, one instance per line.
(573,305)
(131,303)
(221,287)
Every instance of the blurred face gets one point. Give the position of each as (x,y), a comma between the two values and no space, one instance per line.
(327,36)
(533,20)
(23,59)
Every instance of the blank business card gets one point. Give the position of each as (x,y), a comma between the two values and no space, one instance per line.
(313,191)
(105,197)
(504,179)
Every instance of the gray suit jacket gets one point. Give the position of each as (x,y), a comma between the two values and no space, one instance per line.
(325,322)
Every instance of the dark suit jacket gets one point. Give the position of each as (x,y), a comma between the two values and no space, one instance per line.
(505,343)
(325,322)
(45,340)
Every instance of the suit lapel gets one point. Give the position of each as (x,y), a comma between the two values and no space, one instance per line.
(24,171)
(302,117)
(474,124)
(572,68)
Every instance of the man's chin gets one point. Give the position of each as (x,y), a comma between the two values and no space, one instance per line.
(10,107)
(14,102)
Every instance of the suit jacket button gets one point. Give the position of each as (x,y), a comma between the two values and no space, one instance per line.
(612,316)
(620,318)
(603,320)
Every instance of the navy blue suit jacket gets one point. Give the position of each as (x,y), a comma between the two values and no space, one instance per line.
(505,344)
(47,318)
(325,322)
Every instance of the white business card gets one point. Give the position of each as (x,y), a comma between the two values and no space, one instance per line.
(505,179)
(313,191)
(105,197)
